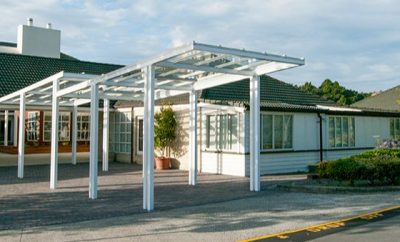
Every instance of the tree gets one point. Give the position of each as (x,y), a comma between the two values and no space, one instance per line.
(332,90)
(309,87)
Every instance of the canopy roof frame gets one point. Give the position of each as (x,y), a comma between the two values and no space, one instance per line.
(184,69)
(179,70)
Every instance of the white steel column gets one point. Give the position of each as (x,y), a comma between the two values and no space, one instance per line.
(148,139)
(74,133)
(255,133)
(6,128)
(15,126)
(94,139)
(21,136)
(106,125)
(54,136)
(193,138)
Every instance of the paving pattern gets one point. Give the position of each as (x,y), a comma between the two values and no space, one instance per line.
(29,202)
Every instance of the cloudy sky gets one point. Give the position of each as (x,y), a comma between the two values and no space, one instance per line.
(354,42)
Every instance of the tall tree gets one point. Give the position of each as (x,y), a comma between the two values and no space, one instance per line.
(332,90)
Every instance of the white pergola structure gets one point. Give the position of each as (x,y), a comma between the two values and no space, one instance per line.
(186,69)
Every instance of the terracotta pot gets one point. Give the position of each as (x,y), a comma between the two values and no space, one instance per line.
(162,163)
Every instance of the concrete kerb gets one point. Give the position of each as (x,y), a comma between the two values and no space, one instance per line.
(293,187)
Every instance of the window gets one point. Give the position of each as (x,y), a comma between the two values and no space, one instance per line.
(10,131)
(83,127)
(395,128)
(33,126)
(276,131)
(140,135)
(64,120)
(222,131)
(122,132)
(341,132)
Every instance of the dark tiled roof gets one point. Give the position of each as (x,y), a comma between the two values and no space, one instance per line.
(275,94)
(62,55)
(18,71)
(387,100)
(272,90)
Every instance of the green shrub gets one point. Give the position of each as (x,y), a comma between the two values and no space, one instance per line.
(322,169)
(380,153)
(377,167)
(389,171)
(345,170)
(312,168)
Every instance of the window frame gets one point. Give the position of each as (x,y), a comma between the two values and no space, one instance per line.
(37,125)
(351,127)
(234,147)
(273,115)
(79,122)
(117,132)
(60,121)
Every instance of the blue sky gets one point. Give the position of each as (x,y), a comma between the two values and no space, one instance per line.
(354,42)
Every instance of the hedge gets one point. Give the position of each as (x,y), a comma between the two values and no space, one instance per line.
(378,167)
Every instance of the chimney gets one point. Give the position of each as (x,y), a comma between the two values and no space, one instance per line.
(37,41)
(29,22)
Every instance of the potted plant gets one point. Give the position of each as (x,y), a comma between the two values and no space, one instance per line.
(164,135)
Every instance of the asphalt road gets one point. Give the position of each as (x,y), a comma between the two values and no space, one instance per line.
(381,225)
(385,230)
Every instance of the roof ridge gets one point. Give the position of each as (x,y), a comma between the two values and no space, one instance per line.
(300,90)
(377,95)
(8,44)
(58,59)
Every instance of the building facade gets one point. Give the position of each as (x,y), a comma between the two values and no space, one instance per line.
(297,129)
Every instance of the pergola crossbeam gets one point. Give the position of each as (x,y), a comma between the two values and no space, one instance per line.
(204,68)
(34,86)
(248,54)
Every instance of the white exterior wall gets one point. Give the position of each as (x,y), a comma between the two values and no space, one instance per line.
(305,149)
(305,146)
(368,131)
(180,149)
(368,127)
(306,142)
(223,163)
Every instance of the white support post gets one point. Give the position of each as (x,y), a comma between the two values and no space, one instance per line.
(15,126)
(74,133)
(6,128)
(21,136)
(148,140)
(54,136)
(255,133)
(106,125)
(193,138)
(94,139)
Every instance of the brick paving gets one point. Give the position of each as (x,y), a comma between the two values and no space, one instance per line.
(29,202)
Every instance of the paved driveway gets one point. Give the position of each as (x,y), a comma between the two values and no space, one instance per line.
(29,202)
(220,208)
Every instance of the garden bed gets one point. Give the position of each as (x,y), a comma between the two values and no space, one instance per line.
(376,167)
(372,171)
